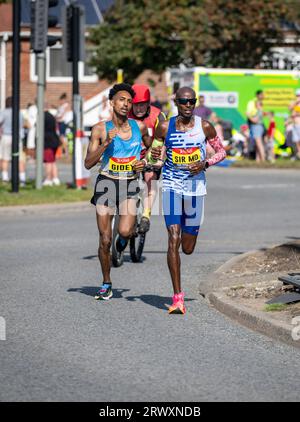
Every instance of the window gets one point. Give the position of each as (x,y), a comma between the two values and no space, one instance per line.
(58,65)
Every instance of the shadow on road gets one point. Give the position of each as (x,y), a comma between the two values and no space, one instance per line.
(201,252)
(126,258)
(159,302)
(92,290)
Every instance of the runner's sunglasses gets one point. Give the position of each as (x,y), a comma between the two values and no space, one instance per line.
(184,101)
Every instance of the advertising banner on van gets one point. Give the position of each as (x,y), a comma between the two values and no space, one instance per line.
(228,92)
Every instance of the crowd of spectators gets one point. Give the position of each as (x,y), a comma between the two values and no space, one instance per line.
(255,138)
(57,121)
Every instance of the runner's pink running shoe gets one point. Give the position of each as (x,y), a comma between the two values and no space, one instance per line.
(177,306)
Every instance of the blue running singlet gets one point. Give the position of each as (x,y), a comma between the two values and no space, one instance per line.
(118,157)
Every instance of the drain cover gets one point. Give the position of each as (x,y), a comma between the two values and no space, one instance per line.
(291,278)
(284,299)
(290,297)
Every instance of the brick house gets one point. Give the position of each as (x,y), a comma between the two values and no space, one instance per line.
(58,70)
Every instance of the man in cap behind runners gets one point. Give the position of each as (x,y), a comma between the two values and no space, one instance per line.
(144,112)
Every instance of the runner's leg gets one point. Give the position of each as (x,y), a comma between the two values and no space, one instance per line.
(192,218)
(104,217)
(173,257)
(127,212)
(172,208)
(188,243)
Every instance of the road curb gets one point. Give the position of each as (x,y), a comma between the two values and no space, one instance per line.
(45,208)
(254,320)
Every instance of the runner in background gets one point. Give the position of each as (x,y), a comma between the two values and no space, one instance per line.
(143,111)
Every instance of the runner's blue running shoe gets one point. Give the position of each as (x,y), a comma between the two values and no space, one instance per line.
(121,243)
(105,292)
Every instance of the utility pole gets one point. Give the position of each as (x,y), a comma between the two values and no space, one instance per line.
(16,96)
(74,49)
(40,21)
(76,96)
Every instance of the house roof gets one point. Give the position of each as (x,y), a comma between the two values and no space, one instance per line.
(93,10)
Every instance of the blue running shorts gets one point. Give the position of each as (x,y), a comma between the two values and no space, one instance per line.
(187,211)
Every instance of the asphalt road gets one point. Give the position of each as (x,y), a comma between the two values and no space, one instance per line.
(62,345)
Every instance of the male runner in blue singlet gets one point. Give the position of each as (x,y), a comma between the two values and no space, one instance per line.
(118,144)
(184,184)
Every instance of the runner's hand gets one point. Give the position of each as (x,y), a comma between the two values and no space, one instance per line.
(158,165)
(138,165)
(156,152)
(110,135)
(196,168)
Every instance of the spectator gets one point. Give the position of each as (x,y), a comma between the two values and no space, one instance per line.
(270,138)
(255,115)
(6,143)
(295,115)
(51,143)
(31,114)
(288,134)
(245,132)
(62,117)
(216,121)
(202,111)
(224,128)
(239,142)
(26,125)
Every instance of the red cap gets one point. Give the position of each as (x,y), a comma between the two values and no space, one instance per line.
(142,93)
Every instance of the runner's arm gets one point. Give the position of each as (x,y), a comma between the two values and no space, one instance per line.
(160,118)
(160,134)
(145,135)
(215,142)
(97,146)
(160,161)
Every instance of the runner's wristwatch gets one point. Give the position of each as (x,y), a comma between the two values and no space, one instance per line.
(206,165)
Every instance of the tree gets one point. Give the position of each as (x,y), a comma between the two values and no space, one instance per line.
(143,34)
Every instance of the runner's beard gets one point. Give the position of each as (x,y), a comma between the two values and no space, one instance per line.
(121,116)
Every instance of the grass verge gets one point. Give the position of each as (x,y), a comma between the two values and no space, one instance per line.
(275,307)
(47,195)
